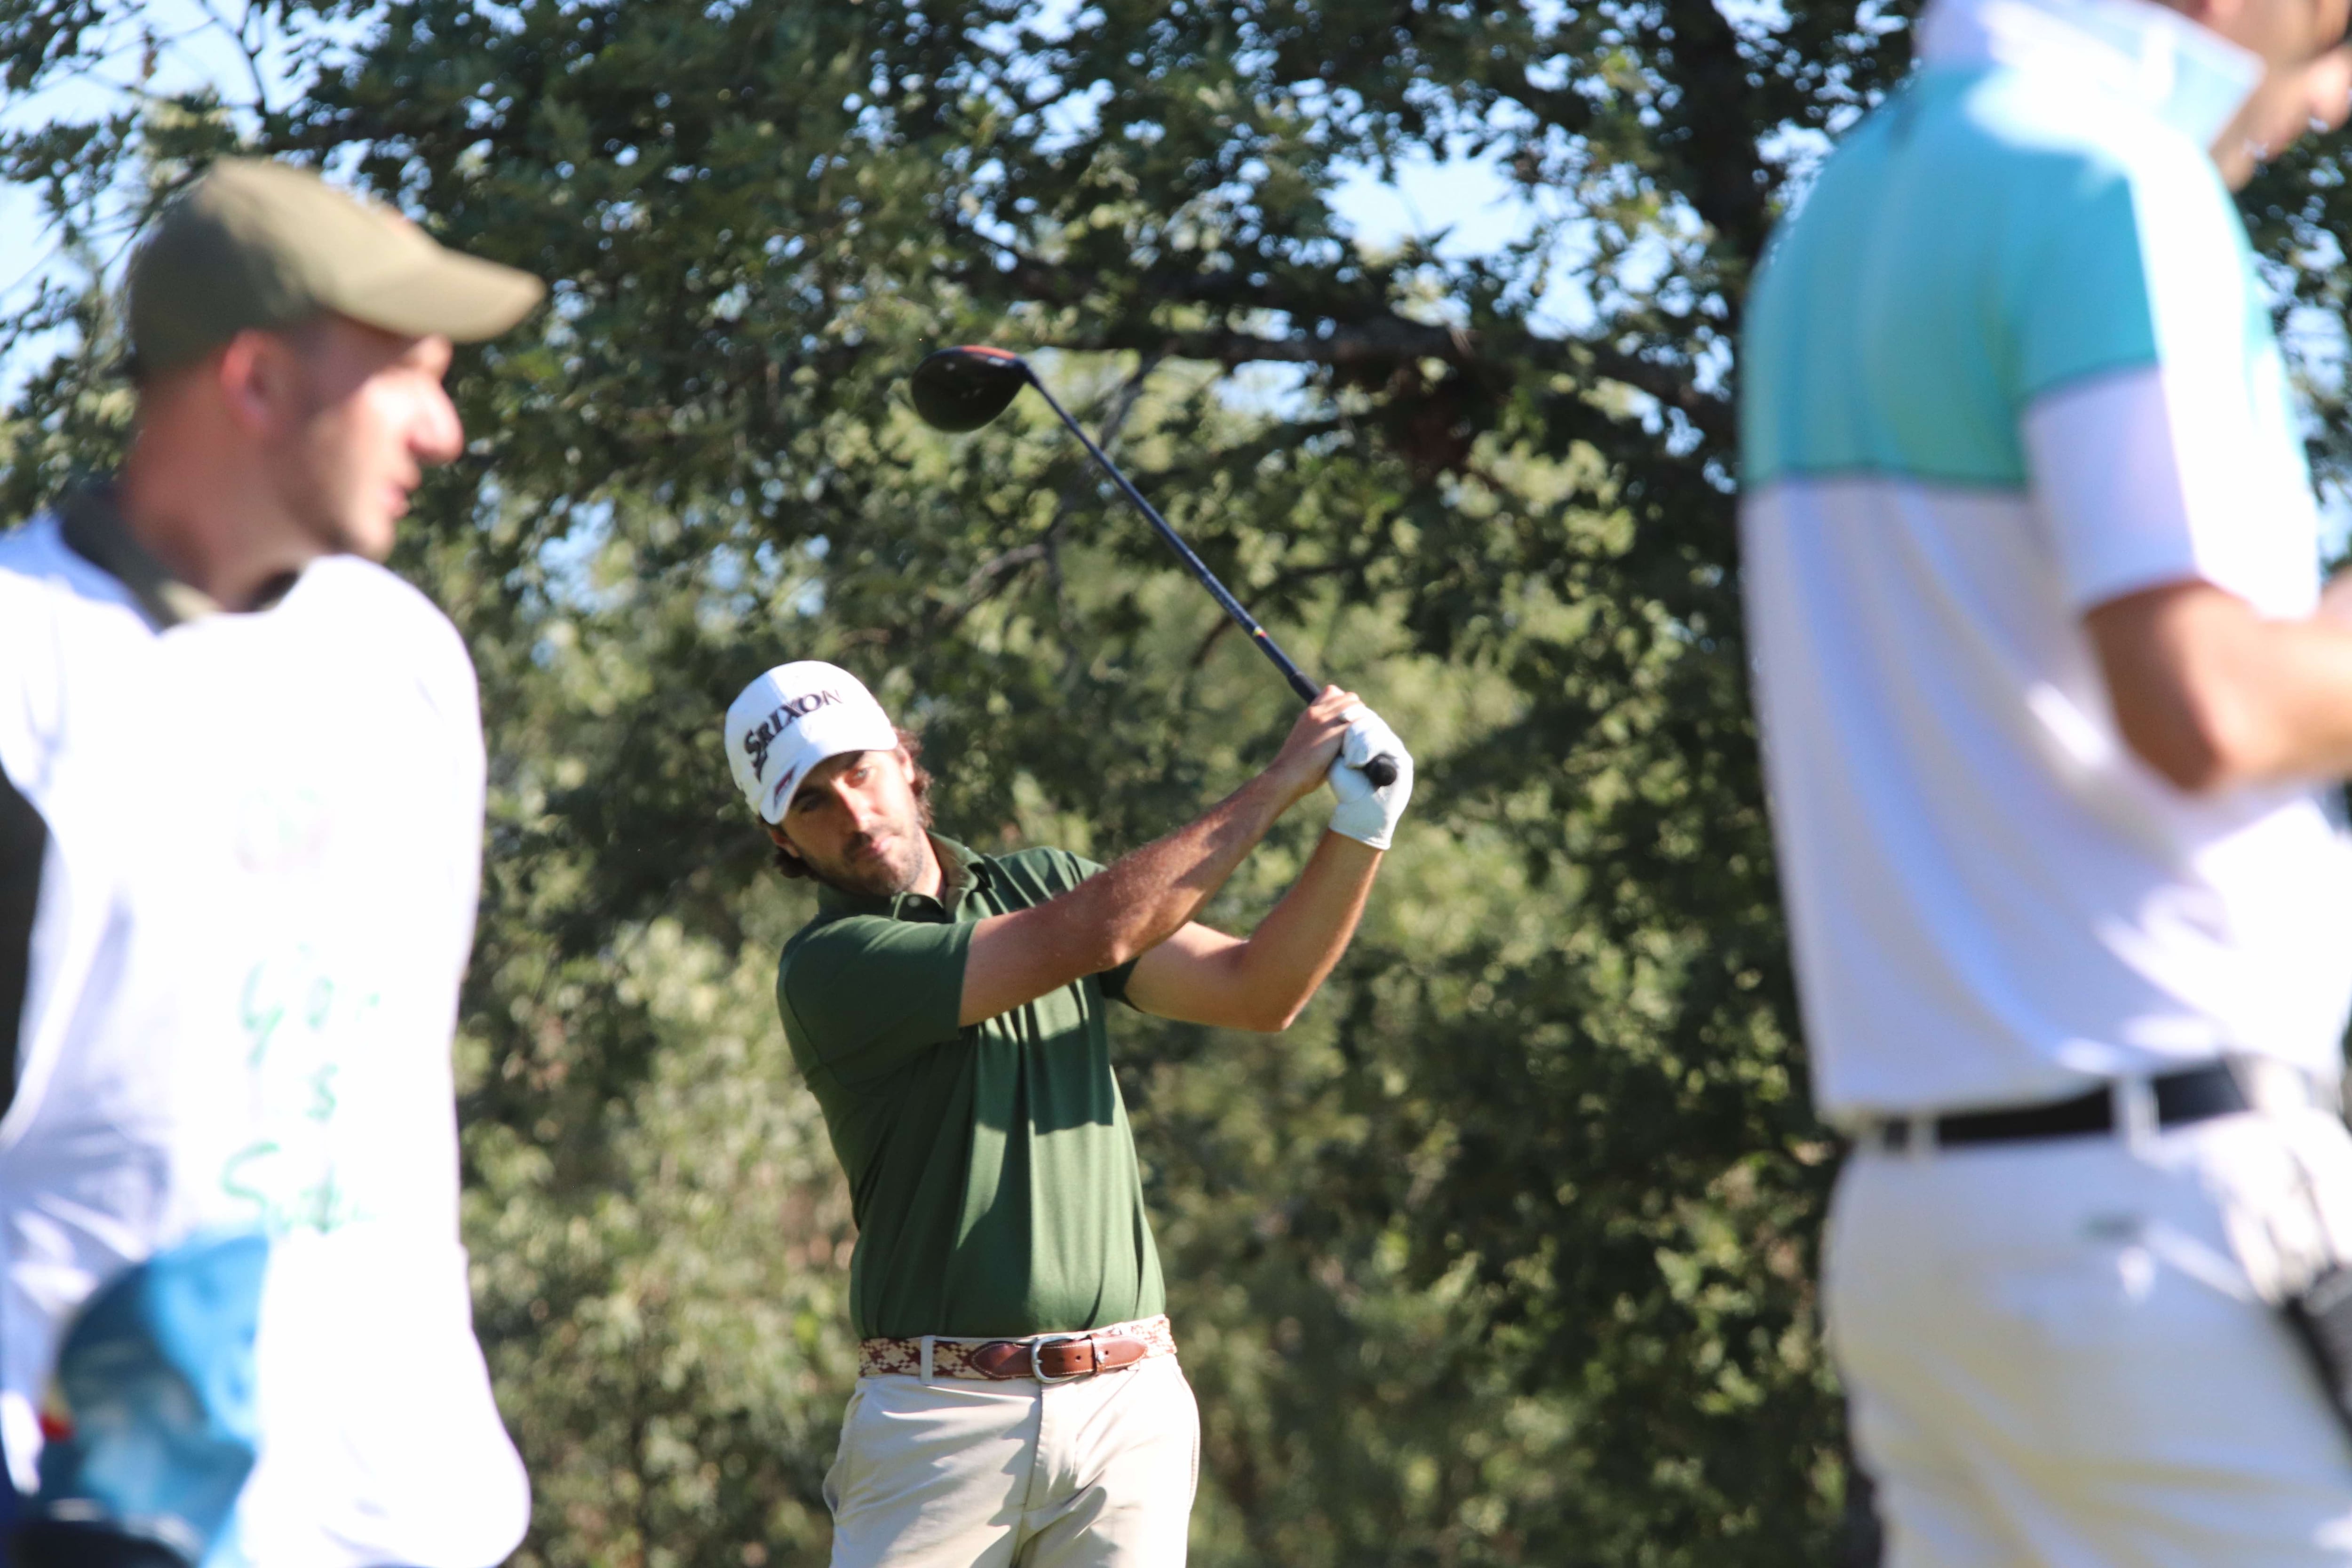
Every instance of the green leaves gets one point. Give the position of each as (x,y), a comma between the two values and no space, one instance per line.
(1502,1256)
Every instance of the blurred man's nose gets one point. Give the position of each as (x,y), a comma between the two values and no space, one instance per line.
(438,436)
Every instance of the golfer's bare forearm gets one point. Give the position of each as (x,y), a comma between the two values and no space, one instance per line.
(1263,982)
(2300,727)
(2214,697)
(1141,899)
(1136,903)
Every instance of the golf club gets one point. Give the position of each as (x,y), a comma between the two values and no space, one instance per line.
(960,389)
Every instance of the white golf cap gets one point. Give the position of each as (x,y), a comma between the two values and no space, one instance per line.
(791,719)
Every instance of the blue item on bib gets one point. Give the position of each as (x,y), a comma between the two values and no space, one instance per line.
(156,1377)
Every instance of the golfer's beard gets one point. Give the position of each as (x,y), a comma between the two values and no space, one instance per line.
(887,876)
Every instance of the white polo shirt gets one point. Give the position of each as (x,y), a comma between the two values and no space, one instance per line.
(255,901)
(2010,362)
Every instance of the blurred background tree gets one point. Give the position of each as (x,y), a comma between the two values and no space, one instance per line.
(1504,1255)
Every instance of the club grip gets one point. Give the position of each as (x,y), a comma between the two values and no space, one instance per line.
(1381,770)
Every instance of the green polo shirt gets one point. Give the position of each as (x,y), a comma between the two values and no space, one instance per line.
(991,1169)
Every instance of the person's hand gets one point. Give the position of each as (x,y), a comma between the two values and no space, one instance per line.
(2293,101)
(1313,743)
(1367,815)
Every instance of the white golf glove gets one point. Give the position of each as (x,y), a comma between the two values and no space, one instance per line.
(1367,815)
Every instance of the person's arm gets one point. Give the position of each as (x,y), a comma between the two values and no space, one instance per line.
(1262,981)
(1142,898)
(2212,696)
(865,996)
(2163,479)
(24,845)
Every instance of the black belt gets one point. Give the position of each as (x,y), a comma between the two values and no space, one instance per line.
(2194,1094)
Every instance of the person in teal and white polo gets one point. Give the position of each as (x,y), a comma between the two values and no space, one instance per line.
(2054,707)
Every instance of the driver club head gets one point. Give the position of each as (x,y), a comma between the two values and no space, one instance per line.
(963,388)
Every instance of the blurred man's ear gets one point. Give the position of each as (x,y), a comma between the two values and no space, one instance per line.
(259,375)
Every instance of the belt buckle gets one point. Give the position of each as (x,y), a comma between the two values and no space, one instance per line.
(2272,1086)
(1037,1350)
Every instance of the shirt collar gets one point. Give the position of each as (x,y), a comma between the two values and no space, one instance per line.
(90,522)
(961,872)
(93,529)
(2191,78)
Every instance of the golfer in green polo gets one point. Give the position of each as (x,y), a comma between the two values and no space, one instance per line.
(1018,1398)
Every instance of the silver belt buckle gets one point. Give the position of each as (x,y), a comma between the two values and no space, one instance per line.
(1037,1350)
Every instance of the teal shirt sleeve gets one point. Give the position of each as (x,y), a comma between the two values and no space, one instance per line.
(2131,258)
(2078,293)
(2161,442)
(863,996)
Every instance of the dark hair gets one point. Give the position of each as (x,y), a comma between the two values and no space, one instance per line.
(793,865)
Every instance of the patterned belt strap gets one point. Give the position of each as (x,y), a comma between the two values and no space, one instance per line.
(1047,1358)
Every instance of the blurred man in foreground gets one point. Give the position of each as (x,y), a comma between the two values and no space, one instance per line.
(2053,708)
(239,840)
(1018,1398)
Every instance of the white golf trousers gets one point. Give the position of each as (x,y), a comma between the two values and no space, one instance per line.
(2057,1355)
(953,1473)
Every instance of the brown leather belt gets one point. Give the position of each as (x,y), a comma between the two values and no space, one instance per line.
(1047,1358)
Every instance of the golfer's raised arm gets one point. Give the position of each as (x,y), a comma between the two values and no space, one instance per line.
(1142,898)
(1263,981)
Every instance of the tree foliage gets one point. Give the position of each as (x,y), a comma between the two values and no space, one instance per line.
(1504,1255)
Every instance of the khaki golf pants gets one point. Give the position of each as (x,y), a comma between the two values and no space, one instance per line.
(2059,1356)
(952,1473)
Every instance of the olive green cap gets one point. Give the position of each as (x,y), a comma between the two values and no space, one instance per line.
(253,244)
